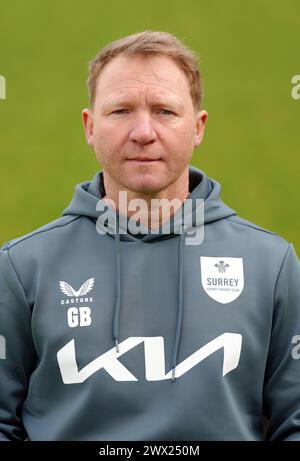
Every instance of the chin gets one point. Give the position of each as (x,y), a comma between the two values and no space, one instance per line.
(147,185)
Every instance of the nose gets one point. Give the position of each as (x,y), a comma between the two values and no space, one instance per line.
(143,131)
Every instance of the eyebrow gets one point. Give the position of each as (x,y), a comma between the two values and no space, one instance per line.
(159,101)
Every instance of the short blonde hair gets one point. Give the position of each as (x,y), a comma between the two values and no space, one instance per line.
(149,43)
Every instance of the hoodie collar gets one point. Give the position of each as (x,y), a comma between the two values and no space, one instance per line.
(88,194)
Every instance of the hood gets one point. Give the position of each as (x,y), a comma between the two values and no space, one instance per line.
(203,190)
(87,202)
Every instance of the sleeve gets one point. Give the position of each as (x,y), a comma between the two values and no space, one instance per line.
(281,393)
(17,353)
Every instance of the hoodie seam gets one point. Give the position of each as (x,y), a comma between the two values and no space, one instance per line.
(19,280)
(8,246)
(252,226)
(274,292)
(280,271)
(273,311)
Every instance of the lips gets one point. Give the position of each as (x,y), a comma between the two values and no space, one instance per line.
(143,159)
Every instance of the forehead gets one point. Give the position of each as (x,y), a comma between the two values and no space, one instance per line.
(158,73)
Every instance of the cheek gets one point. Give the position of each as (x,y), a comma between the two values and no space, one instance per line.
(106,139)
(181,142)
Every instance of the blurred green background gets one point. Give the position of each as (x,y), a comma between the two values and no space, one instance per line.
(249,51)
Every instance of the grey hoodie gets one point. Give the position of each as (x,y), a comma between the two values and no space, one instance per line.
(112,336)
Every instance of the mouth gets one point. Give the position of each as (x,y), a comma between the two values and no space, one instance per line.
(144,160)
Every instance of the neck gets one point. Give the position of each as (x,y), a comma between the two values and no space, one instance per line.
(151,209)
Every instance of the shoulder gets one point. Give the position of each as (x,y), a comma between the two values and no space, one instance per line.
(45,233)
(257,238)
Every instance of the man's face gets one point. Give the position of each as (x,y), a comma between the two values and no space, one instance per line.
(143,127)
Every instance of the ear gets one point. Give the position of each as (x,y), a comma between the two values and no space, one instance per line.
(201,118)
(88,124)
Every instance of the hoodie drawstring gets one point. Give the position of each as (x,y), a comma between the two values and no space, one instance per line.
(180,306)
(116,318)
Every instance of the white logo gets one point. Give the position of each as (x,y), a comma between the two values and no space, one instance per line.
(222,278)
(154,352)
(79,317)
(83,290)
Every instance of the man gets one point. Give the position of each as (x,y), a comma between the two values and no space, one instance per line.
(114,334)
